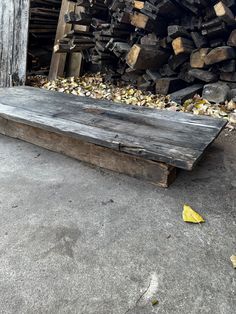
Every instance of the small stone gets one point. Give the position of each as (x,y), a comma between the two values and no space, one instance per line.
(216,92)
(232,104)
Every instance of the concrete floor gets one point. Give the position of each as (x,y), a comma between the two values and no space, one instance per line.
(76,239)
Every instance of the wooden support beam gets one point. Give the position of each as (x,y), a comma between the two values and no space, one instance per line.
(74,64)
(76,58)
(156,173)
(59,59)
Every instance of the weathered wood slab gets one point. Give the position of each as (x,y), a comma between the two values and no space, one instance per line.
(13,41)
(177,139)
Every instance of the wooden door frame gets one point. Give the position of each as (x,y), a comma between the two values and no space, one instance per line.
(14,25)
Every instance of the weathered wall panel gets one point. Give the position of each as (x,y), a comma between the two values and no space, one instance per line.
(13,41)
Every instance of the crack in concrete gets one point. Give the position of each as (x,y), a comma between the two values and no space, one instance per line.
(140,297)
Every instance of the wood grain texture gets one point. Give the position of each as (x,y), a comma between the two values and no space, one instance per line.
(13,41)
(156,173)
(178,139)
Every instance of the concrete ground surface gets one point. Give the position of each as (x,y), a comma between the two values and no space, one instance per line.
(76,239)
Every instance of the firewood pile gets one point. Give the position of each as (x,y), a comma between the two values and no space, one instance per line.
(42,29)
(176,47)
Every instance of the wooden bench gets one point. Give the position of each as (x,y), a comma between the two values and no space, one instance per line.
(141,142)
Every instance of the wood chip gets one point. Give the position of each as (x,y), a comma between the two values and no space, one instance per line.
(233,260)
(96,86)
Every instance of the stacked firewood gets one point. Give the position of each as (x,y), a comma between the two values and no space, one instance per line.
(42,29)
(177,47)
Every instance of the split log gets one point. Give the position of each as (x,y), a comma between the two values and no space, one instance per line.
(183,94)
(141,57)
(232,39)
(220,54)
(197,59)
(203,75)
(228,76)
(224,13)
(167,85)
(182,45)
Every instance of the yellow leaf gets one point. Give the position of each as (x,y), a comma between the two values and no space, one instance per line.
(233,260)
(154,302)
(190,215)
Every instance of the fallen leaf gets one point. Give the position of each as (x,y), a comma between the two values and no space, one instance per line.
(190,215)
(233,260)
(154,302)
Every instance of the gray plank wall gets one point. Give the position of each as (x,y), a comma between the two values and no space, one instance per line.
(14,19)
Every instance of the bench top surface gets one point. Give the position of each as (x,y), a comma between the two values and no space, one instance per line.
(178,139)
